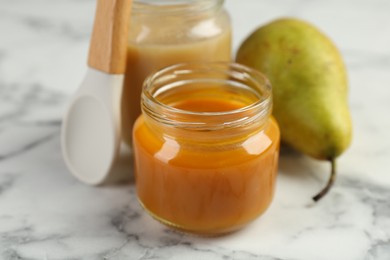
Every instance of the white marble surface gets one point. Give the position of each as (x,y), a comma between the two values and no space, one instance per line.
(46,214)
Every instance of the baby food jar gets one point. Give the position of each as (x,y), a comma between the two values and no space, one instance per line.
(164,33)
(206,146)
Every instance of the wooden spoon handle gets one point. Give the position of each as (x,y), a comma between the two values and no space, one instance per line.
(107,51)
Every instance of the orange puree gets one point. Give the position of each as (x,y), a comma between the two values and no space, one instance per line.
(202,187)
(207,105)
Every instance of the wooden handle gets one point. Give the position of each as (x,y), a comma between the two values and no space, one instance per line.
(107,51)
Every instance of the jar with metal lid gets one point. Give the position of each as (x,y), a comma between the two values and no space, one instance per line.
(206,146)
(164,33)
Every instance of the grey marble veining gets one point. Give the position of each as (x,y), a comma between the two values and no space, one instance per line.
(47,214)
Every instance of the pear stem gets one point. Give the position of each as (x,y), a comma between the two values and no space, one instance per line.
(331,180)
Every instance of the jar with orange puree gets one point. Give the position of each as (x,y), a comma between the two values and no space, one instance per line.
(206,147)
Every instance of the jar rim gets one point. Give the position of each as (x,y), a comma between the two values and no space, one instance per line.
(174,6)
(169,115)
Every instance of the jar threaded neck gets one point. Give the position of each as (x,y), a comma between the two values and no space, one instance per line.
(175,7)
(238,81)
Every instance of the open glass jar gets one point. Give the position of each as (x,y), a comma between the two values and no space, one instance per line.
(206,147)
(164,33)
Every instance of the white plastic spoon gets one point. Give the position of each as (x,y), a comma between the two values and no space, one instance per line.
(91,127)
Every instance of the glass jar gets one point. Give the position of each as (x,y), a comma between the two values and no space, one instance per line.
(164,33)
(206,146)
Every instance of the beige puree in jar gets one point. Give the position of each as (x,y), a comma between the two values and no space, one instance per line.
(163,35)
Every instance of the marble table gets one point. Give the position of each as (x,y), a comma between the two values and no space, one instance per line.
(45,213)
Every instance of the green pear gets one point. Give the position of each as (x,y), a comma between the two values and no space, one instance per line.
(310,88)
